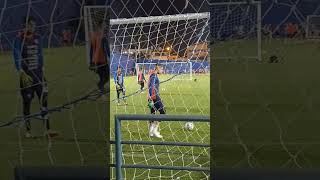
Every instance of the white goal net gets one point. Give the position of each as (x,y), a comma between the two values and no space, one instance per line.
(176,36)
(236,30)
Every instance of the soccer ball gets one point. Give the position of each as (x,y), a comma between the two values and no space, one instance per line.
(189,126)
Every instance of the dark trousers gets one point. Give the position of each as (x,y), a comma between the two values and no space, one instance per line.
(39,87)
(157,106)
(141,85)
(103,73)
(121,90)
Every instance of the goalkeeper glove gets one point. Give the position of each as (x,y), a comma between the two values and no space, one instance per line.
(150,103)
(25,79)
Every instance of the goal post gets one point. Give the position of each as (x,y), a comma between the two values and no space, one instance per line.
(236,30)
(313,27)
(169,38)
(93,17)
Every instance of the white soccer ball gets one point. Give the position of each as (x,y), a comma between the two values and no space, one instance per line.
(189,126)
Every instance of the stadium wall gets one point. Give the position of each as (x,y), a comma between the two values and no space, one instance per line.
(128,64)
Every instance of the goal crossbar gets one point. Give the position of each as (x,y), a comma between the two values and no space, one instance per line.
(166,18)
(170,63)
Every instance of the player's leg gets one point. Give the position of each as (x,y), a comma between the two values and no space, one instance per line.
(118,95)
(142,85)
(101,73)
(151,123)
(124,95)
(42,93)
(26,103)
(27,97)
(158,106)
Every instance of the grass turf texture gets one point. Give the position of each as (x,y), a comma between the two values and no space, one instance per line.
(81,129)
(267,115)
(262,111)
(180,97)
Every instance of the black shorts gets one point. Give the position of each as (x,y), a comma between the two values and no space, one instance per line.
(121,89)
(157,104)
(39,86)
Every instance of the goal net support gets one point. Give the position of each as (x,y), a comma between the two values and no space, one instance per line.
(313,27)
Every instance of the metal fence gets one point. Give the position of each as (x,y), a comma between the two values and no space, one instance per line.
(118,142)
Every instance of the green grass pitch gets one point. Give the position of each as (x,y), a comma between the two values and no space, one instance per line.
(82,128)
(180,97)
(267,114)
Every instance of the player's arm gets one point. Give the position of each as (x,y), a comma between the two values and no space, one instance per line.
(17,54)
(26,79)
(122,79)
(152,88)
(40,53)
(115,78)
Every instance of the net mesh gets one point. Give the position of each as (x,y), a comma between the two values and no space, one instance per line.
(265,111)
(173,34)
(236,30)
(79,121)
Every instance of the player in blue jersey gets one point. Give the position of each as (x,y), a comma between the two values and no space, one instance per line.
(119,82)
(28,59)
(154,101)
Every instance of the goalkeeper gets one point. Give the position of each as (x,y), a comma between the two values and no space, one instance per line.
(119,82)
(154,101)
(99,57)
(28,59)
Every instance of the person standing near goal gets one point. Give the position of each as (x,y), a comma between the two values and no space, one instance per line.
(141,79)
(154,101)
(119,82)
(99,57)
(28,60)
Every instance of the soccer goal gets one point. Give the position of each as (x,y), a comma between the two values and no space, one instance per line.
(178,42)
(236,29)
(182,70)
(172,40)
(313,27)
